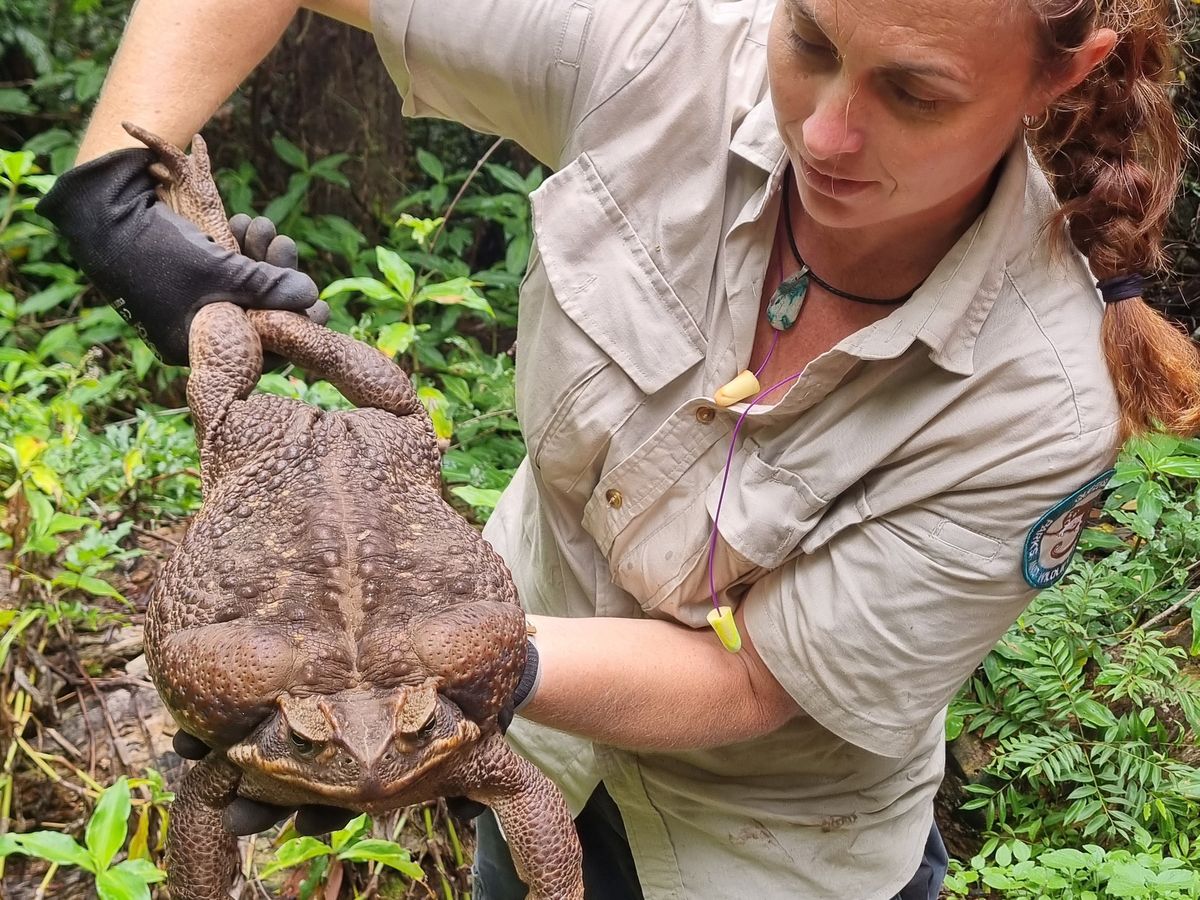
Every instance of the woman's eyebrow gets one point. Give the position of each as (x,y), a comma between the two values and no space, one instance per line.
(929,70)
(802,10)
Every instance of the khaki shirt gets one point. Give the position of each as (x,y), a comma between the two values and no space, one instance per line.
(876,520)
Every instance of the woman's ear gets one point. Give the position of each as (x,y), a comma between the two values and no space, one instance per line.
(1093,52)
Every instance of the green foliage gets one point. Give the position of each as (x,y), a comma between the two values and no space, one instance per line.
(54,55)
(1018,870)
(105,836)
(350,844)
(1093,711)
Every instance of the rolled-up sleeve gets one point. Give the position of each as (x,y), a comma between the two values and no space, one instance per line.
(523,69)
(873,632)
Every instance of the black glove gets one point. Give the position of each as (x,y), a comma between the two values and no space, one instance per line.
(156,267)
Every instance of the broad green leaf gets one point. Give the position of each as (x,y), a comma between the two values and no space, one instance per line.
(1195,628)
(139,844)
(1066,859)
(12,354)
(121,884)
(456,292)
(1176,879)
(482,498)
(395,338)
(435,404)
(64,522)
(289,152)
(26,449)
(1128,880)
(371,287)
(954,725)
(1100,539)
(46,141)
(19,233)
(43,301)
(14,101)
(46,479)
(294,852)
(1149,503)
(55,847)
(95,586)
(131,462)
(89,82)
(507,177)
(143,869)
(398,273)
(143,358)
(282,206)
(1094,713)
(57,339)
(431,165)
(386,853)
(16,165)
(109,824)
(1181,467)
(8,844)
(353,829)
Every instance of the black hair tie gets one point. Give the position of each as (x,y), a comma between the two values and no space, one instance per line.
(1122,287)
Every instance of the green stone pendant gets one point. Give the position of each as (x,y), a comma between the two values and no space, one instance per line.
(784,307)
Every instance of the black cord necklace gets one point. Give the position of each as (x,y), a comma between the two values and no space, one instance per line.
(784,306)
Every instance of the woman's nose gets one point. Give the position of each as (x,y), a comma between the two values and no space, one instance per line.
(833,128)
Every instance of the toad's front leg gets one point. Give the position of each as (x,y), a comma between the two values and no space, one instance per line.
(535,819)
(202,858)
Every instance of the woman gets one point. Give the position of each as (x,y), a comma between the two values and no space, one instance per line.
(835,195)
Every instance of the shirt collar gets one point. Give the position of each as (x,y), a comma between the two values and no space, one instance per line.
(948,310)
(757,138)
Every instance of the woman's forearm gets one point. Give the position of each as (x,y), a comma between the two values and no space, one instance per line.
(177,63)
(652,685)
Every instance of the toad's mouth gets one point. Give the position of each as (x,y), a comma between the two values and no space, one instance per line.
(332,776)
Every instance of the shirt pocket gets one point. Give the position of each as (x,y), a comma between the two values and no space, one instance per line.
(601,328)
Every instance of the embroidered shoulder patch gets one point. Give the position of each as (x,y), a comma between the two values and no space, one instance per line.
(1051,542)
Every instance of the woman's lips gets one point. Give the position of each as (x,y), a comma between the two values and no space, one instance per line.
(830,186)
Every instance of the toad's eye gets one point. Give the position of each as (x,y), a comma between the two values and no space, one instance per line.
(428,728)
(302,745)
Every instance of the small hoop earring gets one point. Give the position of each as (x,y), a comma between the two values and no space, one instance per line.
(1033,123)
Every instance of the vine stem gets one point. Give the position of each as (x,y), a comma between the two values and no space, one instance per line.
(1173,608)
(462,190)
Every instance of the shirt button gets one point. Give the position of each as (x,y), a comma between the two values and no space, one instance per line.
(705,414)
(614,499)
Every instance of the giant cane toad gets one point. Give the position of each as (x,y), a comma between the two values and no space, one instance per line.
(329,625)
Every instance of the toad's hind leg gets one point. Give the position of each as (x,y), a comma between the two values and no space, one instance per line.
(202,858)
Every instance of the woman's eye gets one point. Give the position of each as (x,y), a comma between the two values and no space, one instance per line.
(808,48)
(920,104)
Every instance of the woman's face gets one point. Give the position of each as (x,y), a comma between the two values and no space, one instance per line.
(897,111)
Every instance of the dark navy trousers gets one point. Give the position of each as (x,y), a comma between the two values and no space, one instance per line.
(608,869)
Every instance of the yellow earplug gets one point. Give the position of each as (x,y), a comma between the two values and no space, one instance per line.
(722,622)
(745,385)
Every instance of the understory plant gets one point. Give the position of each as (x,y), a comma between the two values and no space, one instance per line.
(1090,705)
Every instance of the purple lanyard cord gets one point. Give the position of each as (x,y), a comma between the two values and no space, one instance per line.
(712,541)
